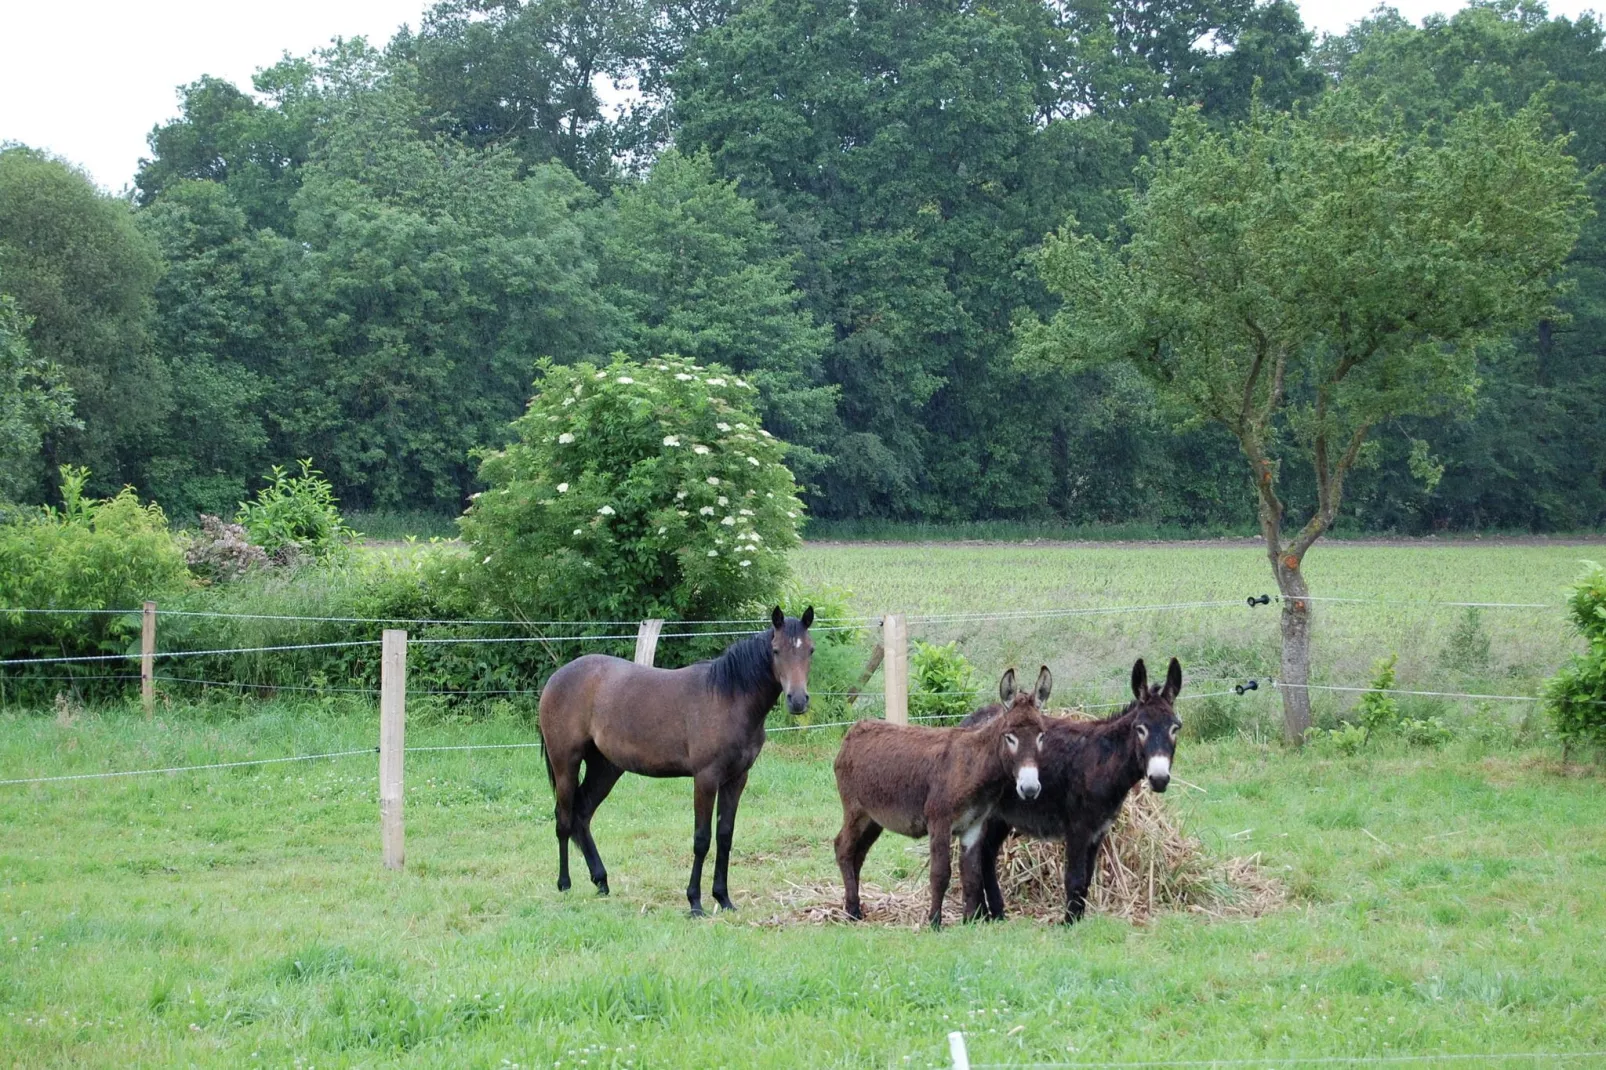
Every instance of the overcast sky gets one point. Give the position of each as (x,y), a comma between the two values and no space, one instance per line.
(88,80)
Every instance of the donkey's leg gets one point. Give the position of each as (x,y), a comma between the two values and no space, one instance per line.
(853,843)
(565,786)
(992,842)
(970,879)
(705,787)
(941,831)
(601,776)
(730,797)
(1081,855)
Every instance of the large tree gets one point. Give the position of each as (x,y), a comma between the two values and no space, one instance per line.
(1302,278)
(82,273)
(699,273)
(34,400)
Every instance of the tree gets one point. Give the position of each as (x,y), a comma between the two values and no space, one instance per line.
(34,400)
(82,273)
(1302,278)
(701,275)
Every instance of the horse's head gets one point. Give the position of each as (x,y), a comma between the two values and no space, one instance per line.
(1155,724)
(793,649)
(1020,727)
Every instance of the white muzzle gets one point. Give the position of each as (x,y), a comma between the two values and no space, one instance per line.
(1027,786)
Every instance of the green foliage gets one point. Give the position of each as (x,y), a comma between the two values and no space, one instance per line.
(82,273)
(90,554)
(1468,648)
(944,682)
(635,490)
(1378,711)
(1576,696)
(34,400)
(296,515)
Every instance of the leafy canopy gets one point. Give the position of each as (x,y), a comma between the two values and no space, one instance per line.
(635,490)
(1302,278)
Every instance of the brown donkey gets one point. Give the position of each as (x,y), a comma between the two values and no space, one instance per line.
(705,721)
(941,782)
(1088,769)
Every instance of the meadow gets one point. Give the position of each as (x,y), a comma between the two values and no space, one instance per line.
(1438,899)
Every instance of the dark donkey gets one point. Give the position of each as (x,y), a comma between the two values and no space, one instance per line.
(943,782)
(1088,769)
(705,721)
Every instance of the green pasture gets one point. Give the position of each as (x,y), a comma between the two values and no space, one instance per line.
(1437,899)
(1441,900)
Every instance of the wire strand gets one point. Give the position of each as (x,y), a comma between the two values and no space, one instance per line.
(188,768)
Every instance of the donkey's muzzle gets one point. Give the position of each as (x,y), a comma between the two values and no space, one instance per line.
(1159,772)
(797,702)
(1027,785)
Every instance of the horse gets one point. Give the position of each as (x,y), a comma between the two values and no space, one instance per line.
(1088,768)
(705,721)
(944,782)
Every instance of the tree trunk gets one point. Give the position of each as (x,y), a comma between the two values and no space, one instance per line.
(1296,648)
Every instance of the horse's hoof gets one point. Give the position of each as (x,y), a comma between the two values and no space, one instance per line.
(698,912)
(726,904)
(602,888)
(563,884)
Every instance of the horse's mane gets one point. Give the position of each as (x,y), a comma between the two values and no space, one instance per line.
(746,666)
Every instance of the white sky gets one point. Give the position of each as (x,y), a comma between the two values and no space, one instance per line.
(88,80)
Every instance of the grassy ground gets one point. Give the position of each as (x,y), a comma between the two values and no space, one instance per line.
(1441,900)
(1499,651)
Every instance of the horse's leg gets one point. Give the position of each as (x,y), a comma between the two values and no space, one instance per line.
(992,841)
(565,786)
(705,788)
(601,776)
(941,831)
(853,843)
(730,797)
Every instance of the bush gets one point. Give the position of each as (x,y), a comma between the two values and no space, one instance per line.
(93,555)
(296,515)
(1378,711)
(1576,696)
(944,682)
(222,551)
(639,490)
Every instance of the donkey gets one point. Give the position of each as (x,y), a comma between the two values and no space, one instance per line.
(1087,768)
(942,782)
(705,721)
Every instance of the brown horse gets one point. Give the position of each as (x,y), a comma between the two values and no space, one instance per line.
(705,721)
(944,782)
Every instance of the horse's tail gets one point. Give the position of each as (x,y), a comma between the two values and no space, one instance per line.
(551,777)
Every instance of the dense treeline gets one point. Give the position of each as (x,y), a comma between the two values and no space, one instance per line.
(362,260)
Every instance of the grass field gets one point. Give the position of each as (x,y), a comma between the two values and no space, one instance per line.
(1439,899)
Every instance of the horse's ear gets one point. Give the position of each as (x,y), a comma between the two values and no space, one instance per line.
(808,617)
(778,619)
(1045,685)
(1006,686)
(1140,679)
(1173,681)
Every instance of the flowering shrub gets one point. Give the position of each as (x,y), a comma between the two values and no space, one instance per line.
(636,490)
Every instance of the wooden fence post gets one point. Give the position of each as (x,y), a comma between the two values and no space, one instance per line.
(895,666)
(647,641)
(147,659)
(392,732)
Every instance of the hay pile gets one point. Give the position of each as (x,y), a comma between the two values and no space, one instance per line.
(1147,865)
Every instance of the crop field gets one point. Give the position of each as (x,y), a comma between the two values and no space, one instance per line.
(1436,899)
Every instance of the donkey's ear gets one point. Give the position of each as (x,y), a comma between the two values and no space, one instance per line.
(1173,681)
(1006,686)
(808,616)
(1140,679)
(1045,685)
(778,619)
